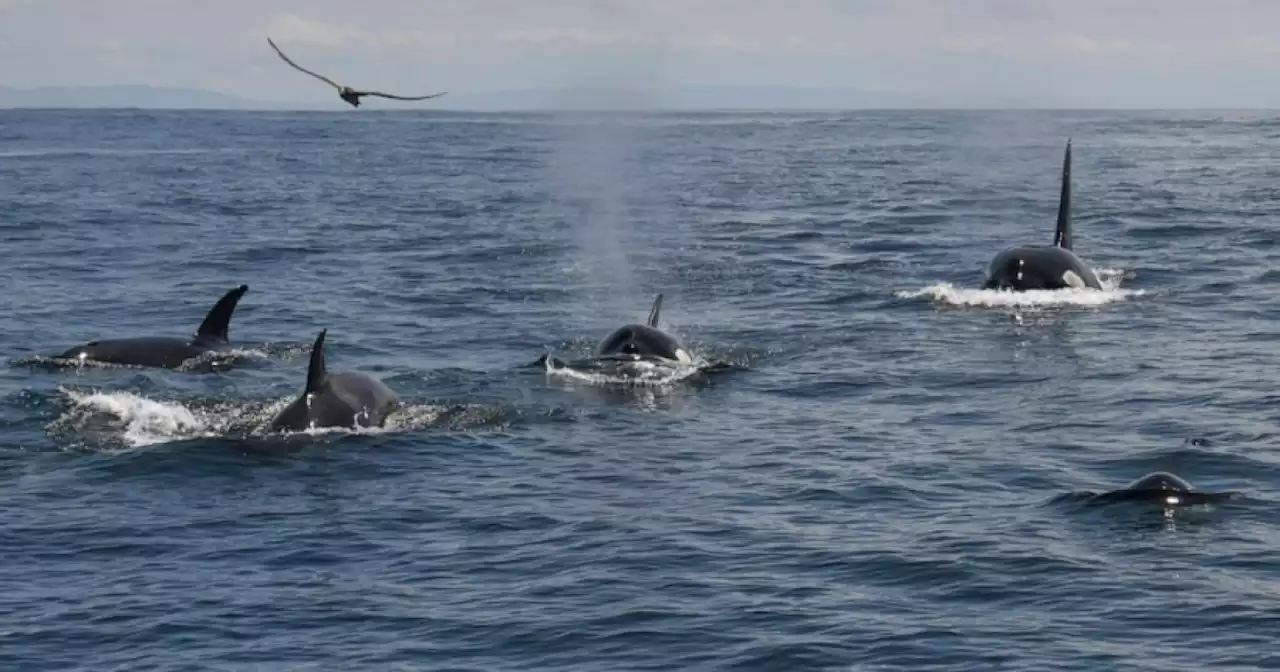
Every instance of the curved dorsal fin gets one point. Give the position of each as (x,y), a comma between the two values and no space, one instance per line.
(315,371)
(653,312)
(218,321)
(1062,235)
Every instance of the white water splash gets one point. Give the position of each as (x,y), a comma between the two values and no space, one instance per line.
(144,421)
(404,418)
(137,421)
(217,359)
(640,372)
(213,359)
(945,292)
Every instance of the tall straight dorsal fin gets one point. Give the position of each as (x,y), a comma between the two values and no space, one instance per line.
(1062,235)
(217,323)
(316,372)
(653,312)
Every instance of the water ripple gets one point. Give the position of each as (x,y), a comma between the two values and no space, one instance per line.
(891,483)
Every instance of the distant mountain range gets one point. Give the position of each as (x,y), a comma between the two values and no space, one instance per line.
(663,98)
(126,96)
(712,98)
(574,98)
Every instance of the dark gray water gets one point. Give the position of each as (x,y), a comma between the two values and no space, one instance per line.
(884,486)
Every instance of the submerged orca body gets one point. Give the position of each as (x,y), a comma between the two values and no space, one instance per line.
(644,340)
(336,400)
(1045,266)
(161,351)
(1163,488)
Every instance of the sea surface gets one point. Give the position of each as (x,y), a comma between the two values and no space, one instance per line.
(888,478)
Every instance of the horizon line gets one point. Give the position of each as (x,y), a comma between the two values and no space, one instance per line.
(287,108)
(891,101)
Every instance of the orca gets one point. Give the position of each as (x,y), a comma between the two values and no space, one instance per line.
(644,340)
(1164,488)
(1045,266)
(336,400)
(162,351)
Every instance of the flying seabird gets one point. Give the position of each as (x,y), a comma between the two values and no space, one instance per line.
(345,92)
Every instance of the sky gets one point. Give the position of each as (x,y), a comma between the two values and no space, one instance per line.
(993,53)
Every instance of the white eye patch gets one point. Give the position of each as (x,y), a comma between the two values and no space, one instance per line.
(1071,279)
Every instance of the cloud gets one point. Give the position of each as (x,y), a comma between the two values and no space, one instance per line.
(1082,44)
(971,44)
(849,29)
(114,44)
(569,38)
(1260,46)
(1102,49)
(295,29)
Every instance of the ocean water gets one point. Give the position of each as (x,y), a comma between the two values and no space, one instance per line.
(884,482)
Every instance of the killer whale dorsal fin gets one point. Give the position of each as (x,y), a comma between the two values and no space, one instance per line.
(1062,234)
(316,372)
(653,312)
(218,322)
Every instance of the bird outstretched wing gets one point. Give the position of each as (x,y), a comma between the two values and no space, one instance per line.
(322,78)
(389,95)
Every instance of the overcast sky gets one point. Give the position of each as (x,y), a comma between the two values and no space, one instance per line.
(1203,53)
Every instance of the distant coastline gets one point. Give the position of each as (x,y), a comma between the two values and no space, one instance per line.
(126,96)
(521,100)
(675,99)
